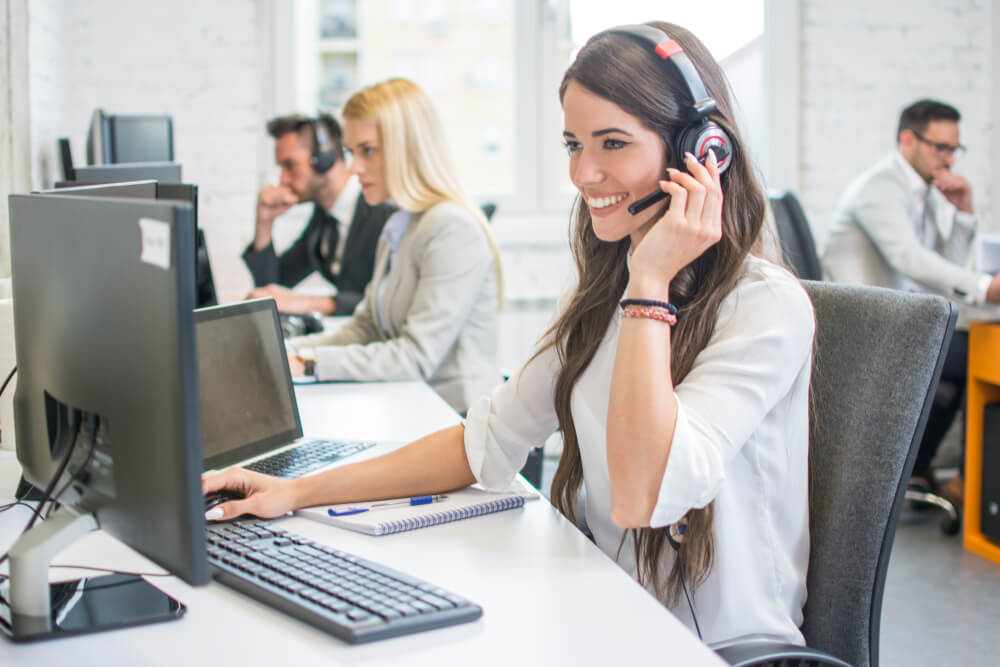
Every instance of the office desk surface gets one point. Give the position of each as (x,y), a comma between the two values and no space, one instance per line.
(549,596)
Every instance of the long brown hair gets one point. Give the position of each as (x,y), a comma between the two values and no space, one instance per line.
(624,71)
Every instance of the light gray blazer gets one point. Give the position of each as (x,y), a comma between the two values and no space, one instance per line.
(875,236)
(440,307)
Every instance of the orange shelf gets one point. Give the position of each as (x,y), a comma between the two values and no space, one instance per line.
(983,388)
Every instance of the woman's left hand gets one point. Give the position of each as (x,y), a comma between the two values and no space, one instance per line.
(691,224)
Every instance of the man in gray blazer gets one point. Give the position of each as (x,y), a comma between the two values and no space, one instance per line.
(907,223)
(339,241)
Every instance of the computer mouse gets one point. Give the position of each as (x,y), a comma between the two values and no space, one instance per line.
(214,498)
(293,325)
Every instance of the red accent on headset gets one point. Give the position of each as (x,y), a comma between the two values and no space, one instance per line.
(668,48)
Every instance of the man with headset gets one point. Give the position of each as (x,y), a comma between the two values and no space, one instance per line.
(339,240)
(907,223)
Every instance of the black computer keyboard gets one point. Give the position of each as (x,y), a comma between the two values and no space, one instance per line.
(306,457)
(349,597)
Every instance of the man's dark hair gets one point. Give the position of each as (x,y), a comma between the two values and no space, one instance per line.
(919,115)
(282,125)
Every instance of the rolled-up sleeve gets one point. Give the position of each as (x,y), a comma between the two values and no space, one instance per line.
(759,348)
(502,428)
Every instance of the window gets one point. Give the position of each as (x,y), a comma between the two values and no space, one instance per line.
(493,68)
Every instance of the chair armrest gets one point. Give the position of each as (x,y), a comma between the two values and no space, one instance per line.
(748,653)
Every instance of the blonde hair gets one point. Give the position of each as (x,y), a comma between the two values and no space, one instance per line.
(418,170)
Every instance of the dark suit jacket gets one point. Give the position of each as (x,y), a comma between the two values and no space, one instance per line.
(303,257)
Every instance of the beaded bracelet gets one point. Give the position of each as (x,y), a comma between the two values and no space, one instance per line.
(625,303)
(651,312)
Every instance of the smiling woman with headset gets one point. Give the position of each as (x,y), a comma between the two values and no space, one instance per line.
(431,310)
(678,367)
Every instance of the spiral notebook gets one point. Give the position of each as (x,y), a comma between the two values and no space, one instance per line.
(395,515)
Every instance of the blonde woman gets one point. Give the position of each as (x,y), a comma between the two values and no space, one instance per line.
(431,311)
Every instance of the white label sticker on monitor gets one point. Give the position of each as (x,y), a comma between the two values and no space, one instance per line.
(155,235)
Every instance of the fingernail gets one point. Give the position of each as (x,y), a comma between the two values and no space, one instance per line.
(711,156)
(671,171)
(689,156)
(213,514)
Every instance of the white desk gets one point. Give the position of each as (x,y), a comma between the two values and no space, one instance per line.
(549,596)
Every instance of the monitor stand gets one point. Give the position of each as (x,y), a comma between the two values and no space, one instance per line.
(33,609)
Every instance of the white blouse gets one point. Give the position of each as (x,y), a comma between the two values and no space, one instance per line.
(741,439)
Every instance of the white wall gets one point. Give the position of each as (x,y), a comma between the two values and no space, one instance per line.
(47,86)
(863,61)
(201,62)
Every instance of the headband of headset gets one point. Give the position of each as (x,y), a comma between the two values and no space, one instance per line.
(670,51)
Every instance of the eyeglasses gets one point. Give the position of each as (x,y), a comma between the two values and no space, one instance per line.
(943,149)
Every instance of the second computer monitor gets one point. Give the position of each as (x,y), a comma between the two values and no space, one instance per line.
(164,172)
(121,138)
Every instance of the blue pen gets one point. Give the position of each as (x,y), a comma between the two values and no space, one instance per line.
(415,500)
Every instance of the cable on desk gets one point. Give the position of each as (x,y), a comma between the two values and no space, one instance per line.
(47,493)
(4,508)
(7,381)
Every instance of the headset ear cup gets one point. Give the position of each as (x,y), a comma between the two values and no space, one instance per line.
(699,138)
(323,162)
(711,137)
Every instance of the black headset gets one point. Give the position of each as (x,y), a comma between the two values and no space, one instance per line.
(700,134)
(324,154)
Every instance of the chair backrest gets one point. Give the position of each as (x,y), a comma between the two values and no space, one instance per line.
(878,357)
(797,244)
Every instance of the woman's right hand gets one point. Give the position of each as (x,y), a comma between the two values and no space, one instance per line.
(691,224)
(263,495)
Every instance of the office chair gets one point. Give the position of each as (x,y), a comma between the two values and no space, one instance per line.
(799,252)
(797,244)
(878,355)
(921,493)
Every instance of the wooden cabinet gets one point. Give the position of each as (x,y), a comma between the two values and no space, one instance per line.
(983,388)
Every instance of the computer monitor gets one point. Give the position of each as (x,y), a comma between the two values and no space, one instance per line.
(66,160)
(107,404)
(162,172)
(205,294)
(118,138)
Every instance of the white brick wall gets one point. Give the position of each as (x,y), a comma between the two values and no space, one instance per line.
(862,62)
(201,62)
(47,88)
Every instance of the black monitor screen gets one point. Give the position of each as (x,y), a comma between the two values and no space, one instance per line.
(248,403)
(141,139)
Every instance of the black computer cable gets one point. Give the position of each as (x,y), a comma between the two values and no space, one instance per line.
(95,423)
(47,493)
(7,381)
